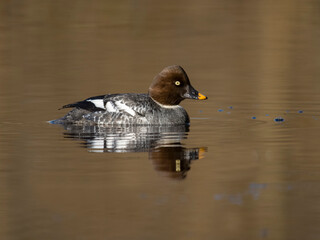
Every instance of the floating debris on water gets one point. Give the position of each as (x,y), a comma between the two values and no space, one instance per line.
(300,111)
(230,107)
(253,117)
(279,119)
(220,110)
(267,115)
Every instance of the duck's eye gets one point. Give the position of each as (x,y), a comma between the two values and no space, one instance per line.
(177,83)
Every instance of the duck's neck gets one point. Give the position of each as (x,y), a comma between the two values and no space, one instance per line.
(165,105)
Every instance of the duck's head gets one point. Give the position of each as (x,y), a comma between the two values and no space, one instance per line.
(171,86)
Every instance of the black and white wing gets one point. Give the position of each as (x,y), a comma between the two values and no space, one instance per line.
(133,105)
(125,104)
(93,104)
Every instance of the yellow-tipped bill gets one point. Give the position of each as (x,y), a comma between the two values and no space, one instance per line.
(201,96)
(202,150)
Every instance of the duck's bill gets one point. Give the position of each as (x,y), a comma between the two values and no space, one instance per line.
(194,94)
(202,150)
(201,96)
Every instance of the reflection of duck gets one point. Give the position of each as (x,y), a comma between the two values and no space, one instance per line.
(175,160)
(162,142)
(126,139)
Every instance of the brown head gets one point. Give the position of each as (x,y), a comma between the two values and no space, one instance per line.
(172,85)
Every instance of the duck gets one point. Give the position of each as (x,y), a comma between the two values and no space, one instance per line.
(160,106)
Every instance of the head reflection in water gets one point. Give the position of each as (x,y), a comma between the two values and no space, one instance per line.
(163,143)
(174,161)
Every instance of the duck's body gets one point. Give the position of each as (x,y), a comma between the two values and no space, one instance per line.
(158,107)
(124,109)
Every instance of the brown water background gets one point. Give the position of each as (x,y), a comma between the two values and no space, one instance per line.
(255,60)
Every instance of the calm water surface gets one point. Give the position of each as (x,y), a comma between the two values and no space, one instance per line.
(247,167)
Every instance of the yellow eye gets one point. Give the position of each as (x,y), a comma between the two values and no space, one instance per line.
(177,83)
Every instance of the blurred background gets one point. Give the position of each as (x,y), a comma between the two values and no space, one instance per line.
(255,60)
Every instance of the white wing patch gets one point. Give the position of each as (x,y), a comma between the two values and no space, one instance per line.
(98,103)
(118,106)
(110,107)
(124,107)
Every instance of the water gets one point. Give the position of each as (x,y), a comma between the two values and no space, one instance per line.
(247,167)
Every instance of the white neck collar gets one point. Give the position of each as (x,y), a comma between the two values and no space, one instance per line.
(165,106)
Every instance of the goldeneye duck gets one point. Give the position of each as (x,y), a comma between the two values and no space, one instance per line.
(159,107)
